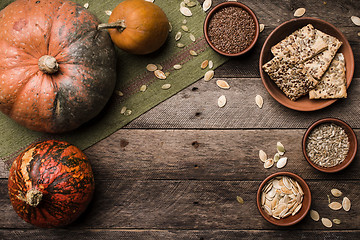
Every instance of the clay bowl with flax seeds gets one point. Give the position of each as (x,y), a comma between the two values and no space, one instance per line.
(322,135)
(231,29)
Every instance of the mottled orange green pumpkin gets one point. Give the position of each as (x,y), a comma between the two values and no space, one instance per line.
(57,71)
(50,183)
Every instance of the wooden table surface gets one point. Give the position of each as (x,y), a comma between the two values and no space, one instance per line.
(175,172)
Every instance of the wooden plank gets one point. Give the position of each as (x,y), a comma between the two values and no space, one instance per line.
(196,108)
(135,234)
(191,204)
(200,154)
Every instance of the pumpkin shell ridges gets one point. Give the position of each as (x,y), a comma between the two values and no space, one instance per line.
(62,173)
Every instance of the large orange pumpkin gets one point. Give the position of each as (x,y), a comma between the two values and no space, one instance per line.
(57,71)
(138,26)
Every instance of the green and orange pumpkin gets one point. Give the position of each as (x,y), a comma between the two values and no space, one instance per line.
(50,183)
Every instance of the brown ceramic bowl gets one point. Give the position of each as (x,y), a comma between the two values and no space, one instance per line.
(231,4)
(352,150)
(291,220)
(282,31)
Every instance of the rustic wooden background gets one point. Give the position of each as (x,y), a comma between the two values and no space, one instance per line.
(175,172)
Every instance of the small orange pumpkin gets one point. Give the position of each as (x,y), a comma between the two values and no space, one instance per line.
(137,26)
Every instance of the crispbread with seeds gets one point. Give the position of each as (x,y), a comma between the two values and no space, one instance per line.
(300,46)
(293,80)
(333,83)
(318,64)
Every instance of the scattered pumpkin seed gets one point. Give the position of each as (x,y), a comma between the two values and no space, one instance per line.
(191,4)
(151,67)
(186,11)
(329,200)
(259,101)
(262,155)
(346,204)
(192,37)
(204,64)
(160,74)
(150,0)
(170,27)
(335,206)
(299,12)
(336,221)
(180,45)
(280,148)
(276,157)
(108,12)
(143,88)
(159,66)
(185,28)
(336,192)
(184,21)
(128,112)
(182,4)
(209,75)
(355,20)
(123,110)
(282,162)
(211,64)
(166,86)
(359,34)
(177,66)
(193,53)
(119,93)
(262,27)
(167,74)
(269,163)
(240,199)
(314,215)
(206,5)
(221,101)
(326,222)
(222,84)
(177,36)
(86,5)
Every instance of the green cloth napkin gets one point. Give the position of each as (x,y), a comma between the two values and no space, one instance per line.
(132,74)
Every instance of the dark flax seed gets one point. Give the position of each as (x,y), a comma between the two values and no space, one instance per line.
(231,30)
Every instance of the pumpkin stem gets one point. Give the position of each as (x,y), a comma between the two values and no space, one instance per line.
(119,25)
(33,197)
(48,64)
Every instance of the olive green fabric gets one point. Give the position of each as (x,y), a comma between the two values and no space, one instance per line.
(132,74)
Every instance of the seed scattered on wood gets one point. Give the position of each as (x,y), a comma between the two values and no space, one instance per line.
(160,74)
(180,45)
(150,0)
(346,204)
(240,199)
(185,28)
(269,163)
(259,101)
(177,36)
(336,192)
(221,101)
(143,88)
(299,12)
(314,215)
(206,5)
(186,11)
(184,21)
(119,93)
(355,20)
(329,200)
(123,110)
(204,64)
(326,222)
(262,155)
(108,12)
(166,86)
(167,74)
(192,37)
(282,162)
(86,5)
(280,148)
(193,53)
(182,4)
(151,67)
(276,157)
(170,27)
(211,64)
(191,4)
(336,221)
(222,84)
(128,112)
(177,66)
(359,34)
(262,27)
(335,206)
(209,75)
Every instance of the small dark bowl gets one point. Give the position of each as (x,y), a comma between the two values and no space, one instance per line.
(291,220)
(352,149)
(231,4)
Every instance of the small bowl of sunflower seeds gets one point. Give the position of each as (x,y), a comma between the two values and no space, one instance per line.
(329,145)
(283,198)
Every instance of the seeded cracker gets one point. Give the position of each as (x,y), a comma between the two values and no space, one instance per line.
(333,83)
(300,46)
(293,80)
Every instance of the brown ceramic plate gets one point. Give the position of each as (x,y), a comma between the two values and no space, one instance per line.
(291,220)
(231,4)
(352,150)
(282,31)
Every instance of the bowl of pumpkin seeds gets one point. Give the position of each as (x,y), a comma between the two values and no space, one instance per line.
(329,145)
(283,198)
